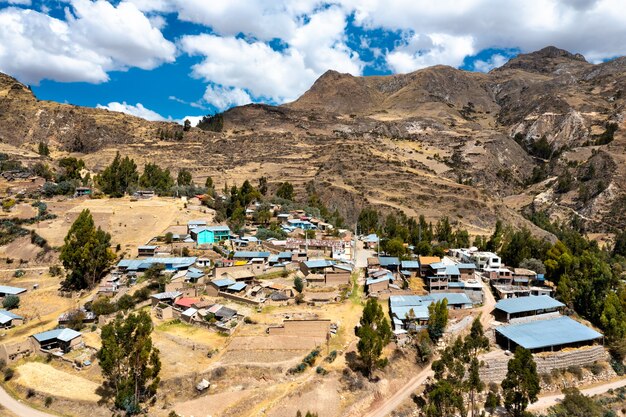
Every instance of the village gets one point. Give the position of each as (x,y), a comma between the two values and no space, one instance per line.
(233,312)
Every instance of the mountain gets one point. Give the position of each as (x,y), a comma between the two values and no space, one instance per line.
(544,132)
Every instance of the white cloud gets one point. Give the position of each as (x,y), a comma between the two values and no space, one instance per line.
(19,2)
(278,75)
(223,97)
(421,51)
(137,110)
(193,119)
(95,37)
(495,61)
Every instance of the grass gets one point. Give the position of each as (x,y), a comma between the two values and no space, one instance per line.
(356,295)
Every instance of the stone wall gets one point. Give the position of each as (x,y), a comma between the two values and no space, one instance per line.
(495,368)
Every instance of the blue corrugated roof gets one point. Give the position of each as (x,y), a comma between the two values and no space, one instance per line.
(466,266)
(7,316)
(452,270)
(4,289)
(64,335)
(388,261)
(530,303)
(410,264)
(167,295)
(371,281)
(238,286)
(403,312)
(318,263)
(452,297)
(544,333)
(285,255)
(223,282)
(250,255)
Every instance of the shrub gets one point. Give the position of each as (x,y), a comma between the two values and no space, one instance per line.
(30,393)
(141,295)
(102,306)
(55,270)
(311,357)
(8,374)
(125,302)
(321,371)
(10,302)
(218,372)
(19,273)
(3,364)
(298,369)
(48,402)
(576,370)
(331,357)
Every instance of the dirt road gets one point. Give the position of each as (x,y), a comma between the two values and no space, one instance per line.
(489,302)
(550,400)
(18,408)
(396,399)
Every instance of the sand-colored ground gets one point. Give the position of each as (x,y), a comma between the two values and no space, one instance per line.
(131,223)
(47,379)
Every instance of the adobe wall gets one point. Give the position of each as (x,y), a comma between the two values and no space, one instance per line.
(495,368)
(338,278)
(11,352)
(238,298)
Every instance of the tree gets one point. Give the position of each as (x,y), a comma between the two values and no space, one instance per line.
(620,244)
(86,253)
(71,169)
(125,303)
(374,334)
(129,362)
(368,220)
(214,123)
(534,265)
(474,383)
(395,247)
(444,231)
(156,178)
(263,185)
(521,384)
(476,340)
(209,183)
(118,177)
(285,191)
(494,242)
(298,284)
(103,306)
(437,319)
(43,149)
(575,404)
(184,178)
(11,301)
(76,319)
(187,125)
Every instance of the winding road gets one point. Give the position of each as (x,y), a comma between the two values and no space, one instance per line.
(18,408)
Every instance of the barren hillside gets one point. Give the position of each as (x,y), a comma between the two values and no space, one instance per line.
(436,141)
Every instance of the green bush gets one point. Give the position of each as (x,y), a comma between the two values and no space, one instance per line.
(10,302)
(8,374)
(331,357)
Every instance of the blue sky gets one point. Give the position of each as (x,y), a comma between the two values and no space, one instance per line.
(172,59)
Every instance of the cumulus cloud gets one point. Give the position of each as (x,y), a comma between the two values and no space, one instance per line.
(222,97)
(137,110)
(495,61)
(95,37)
(420,51)
(276,75)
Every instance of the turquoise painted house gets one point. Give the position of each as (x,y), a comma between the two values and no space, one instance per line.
(210,234)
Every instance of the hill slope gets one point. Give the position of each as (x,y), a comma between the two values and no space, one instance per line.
(545,131)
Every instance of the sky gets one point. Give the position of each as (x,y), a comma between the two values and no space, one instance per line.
(178,59)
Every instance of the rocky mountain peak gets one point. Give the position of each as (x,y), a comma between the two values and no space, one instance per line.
(548,60)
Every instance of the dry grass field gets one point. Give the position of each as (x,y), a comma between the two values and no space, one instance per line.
(50,380)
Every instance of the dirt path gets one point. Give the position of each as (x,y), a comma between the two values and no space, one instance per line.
(550,400)
(32,268)
(489,302)
(385,408)
(18,408)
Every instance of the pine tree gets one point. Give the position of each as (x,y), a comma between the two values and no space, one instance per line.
(374,334)
(86,253)
(521,384)
(437,319)
(129,361)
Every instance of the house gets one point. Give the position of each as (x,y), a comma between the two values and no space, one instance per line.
(82,191)
(249,255)
(63,339)
(389,262)
(192,275)
(8,319)
(87,316)
(6,290)
(237,287)
(523,276)
(170,264)
(218,285)
(168,297)
(370,241)
(210,235)
(424,263)
(378,281)
(194,224)
(485,260)
(147,250)
(315,266)
(546,335)
(184,303)
(509,309)
(409,268)
(467,270)
(144,194)
(301,224)
(190,314)
(410,312)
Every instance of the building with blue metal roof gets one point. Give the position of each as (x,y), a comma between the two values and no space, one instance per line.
(64,339)
(237,287)
(510,308)
(250,255)
(546,335)
(8,319)
(170,263)
(6,290)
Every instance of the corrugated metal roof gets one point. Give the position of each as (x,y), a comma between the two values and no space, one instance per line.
(318,263)
(4,289)
(64,335)
(466,266)
(189,312)
(223,282)
(248,254)
(544,333)
(453,298)
(530,303)
(7,316)
(238,286)
(388,261)
(371,281)
(410,264)
(167,295)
